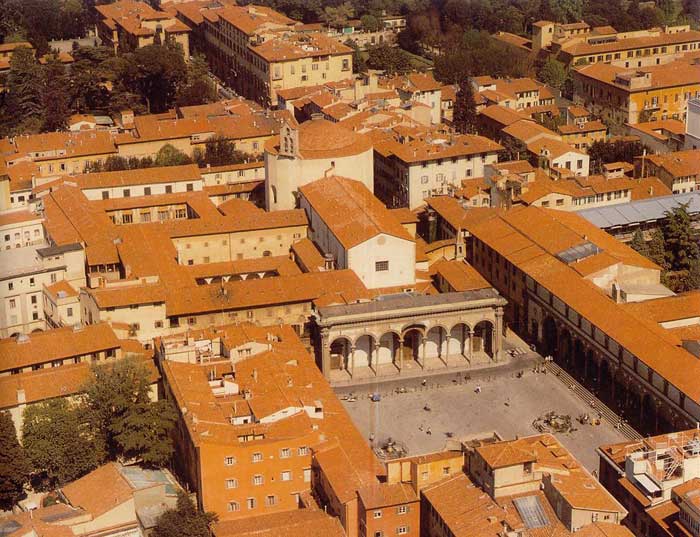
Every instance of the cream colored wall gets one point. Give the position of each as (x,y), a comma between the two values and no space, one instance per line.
(400,253)
(285,175)
(139,190)
(452,174)
(292,73)
(21,234)
(573,158)
(4,194)
(124,513)
(146,315)
(239,245)
(212,178)
(555,200)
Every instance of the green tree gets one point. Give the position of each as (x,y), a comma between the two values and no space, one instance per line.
(120,410)
(155,73)
(55,95)
(370,23)
(337,17)
(391,60)
(681,245)
(169,155)
(638,243)
(14,465)
(692,280)
(553,73)
(23,99)
(657,248)
(185,520)
(197,88)
(359,64)
(464,113)
(60,443)
(218,151)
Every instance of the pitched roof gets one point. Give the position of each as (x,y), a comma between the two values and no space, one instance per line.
(299,523)
(352,213)
(99,491)
(56,344)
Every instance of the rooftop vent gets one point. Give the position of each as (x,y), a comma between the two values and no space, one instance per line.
(578,252)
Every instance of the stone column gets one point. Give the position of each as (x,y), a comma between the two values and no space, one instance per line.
(497,335)
(446,343)
(325,353)
(467,338)
(400,355)
(352,361)
(423,343)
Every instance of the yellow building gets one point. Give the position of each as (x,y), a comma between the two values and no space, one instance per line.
(258,51)
(127,25)
(636,95)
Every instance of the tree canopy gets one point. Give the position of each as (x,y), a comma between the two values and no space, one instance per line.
(477,53)
(464,112)
(119,408)
(60,443)
(185,520)
(391,60)
(14,465)
(218,151)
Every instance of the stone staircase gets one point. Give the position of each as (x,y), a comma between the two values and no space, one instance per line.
(626,429)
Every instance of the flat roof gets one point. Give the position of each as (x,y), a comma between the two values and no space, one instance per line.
(406,300)
(639,211)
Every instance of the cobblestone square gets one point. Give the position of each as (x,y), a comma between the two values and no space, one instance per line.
(506,403)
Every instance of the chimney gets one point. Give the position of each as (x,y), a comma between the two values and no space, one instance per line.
(328,262)
(21,396)
(255,375)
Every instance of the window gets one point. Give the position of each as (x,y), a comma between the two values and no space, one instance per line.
(270,500)
(251,503)
(229,461)
(257,457)
(147,191)
(286,475)
(105,195)
(69,312)
(13,303)
(232,483)
(127,192)
(424,179)
(303,450)
(307,475)
(234,507)
(346,65)
(402,509)
(381,266)
(446,470)
(379,533)
(285,453)
(258,479)
(190,187)
(402,530)
(377,514)
(168,189)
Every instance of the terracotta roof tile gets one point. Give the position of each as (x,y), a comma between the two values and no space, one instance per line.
(352,213)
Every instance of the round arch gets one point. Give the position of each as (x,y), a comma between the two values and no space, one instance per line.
(460,340)
(482,341)
(340,352)
(388,347)
(549,336)
(436,342)
(412,342)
